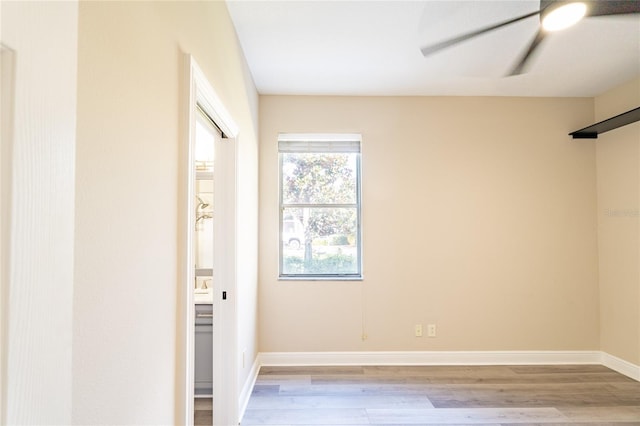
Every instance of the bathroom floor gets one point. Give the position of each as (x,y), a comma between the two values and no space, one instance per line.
(203,414)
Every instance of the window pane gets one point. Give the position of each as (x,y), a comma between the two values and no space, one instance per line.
(319,241)
(319,178)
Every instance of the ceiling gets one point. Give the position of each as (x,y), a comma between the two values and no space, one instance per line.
(317,47)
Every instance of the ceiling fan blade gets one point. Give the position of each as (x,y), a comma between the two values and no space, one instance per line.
(520,66)
(612,7)
(428,50)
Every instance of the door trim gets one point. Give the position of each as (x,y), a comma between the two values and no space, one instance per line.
(198,91)
(7,71)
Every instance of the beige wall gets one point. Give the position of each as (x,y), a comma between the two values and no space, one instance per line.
(618,165)
(479,215)
(126,328)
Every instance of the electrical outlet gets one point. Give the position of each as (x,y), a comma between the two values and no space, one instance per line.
(431,330)
(418,330)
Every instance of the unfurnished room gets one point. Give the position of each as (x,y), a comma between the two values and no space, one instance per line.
(313,212)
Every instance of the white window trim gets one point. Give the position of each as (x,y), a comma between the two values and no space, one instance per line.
(322,139)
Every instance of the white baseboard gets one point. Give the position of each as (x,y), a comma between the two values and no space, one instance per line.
(621,366)
(429,358)
(245,394)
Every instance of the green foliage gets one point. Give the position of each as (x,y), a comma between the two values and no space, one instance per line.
(340,240)
(330,264)
(324,222)
(320,242)
(319,181)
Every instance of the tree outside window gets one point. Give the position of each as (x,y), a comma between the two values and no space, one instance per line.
(320,210)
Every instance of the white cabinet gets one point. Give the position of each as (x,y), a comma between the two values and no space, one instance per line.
(203,350)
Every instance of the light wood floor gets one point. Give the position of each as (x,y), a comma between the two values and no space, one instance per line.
(496,395)
(203,414)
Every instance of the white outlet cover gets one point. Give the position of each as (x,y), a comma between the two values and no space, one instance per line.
(431,330)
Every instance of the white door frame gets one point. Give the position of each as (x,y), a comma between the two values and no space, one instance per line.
(198,91)
(7,64)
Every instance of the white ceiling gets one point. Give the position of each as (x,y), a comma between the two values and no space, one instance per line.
(373,48)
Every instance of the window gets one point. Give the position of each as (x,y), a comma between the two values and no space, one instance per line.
(320,233)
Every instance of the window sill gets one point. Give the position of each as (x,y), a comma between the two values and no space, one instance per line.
(311,278)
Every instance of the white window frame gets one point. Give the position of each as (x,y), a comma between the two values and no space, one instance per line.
(321,143)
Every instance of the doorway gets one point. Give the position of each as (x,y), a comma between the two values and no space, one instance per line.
(207,320)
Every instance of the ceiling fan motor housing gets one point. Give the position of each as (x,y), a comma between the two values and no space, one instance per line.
(548,6)
(552,4)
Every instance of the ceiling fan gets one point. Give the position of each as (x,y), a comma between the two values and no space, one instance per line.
(555,15)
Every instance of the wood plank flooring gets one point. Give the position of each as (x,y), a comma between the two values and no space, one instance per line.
(457,395)
(203,412)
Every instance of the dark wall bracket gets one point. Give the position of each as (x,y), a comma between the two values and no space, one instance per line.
(592,132)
